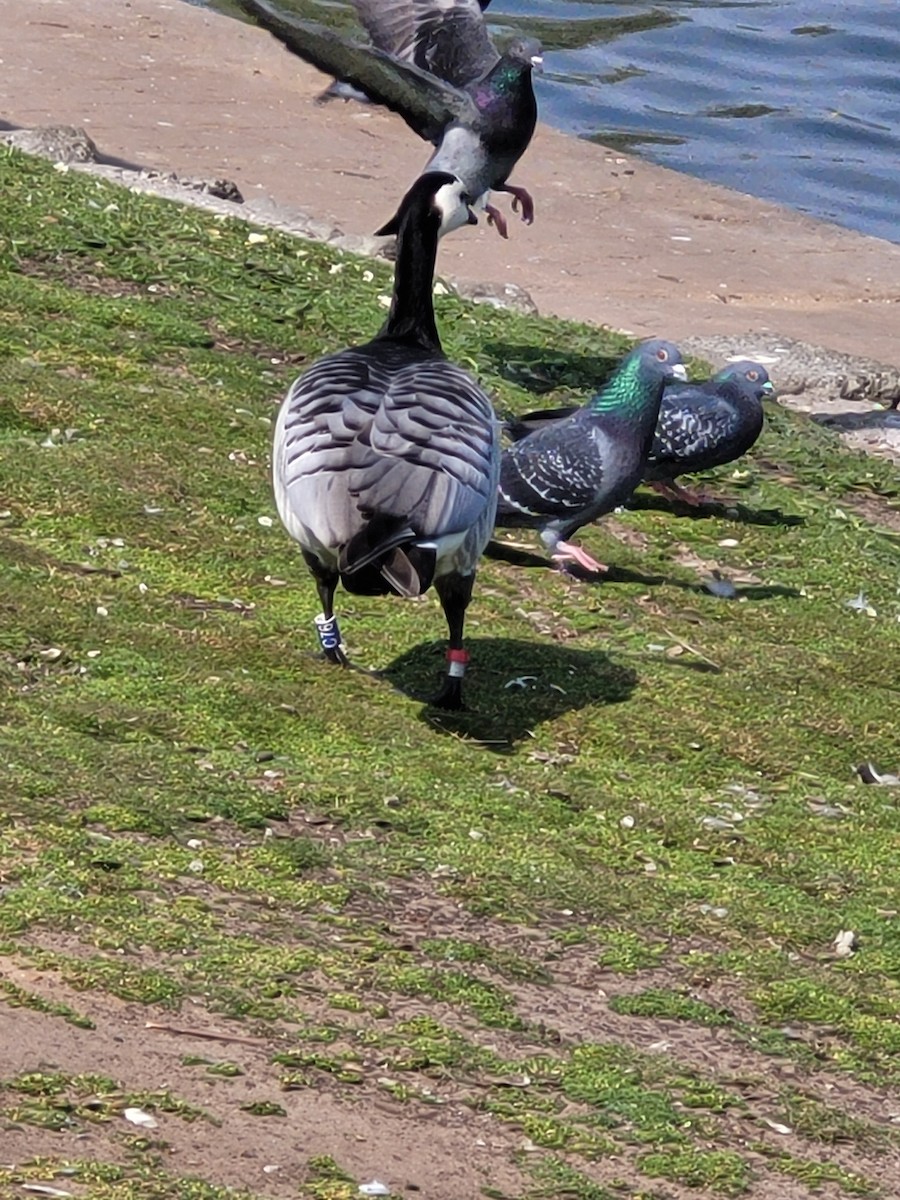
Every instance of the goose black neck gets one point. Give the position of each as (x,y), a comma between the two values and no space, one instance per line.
(411,318)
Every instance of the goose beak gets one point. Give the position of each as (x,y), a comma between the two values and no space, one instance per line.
(679,372)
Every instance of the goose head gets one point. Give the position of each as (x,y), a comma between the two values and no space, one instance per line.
(435,196)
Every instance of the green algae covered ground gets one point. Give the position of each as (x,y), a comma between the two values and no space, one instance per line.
(586,926)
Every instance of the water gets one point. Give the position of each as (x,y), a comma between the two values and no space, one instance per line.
(792,100)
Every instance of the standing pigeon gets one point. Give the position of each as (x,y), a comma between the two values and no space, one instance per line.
(443,76)
(703,425)
(569,472)
(386,455)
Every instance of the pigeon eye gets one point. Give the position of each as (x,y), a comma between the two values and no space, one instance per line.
(662,355)
(753,376)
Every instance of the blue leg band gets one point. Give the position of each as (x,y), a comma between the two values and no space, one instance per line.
(329,634)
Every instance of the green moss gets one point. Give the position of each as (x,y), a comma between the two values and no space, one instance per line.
(108,1181)
(58,1101)
(816,1175)
(626,950)
(17,997)
(264,1108)
(722,1171)
(664,1002)
(194,805)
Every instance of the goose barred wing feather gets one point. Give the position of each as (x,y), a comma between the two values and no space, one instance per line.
(426,103)
(358,437)
(552,474)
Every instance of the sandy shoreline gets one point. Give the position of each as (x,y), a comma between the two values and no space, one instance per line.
(617,241)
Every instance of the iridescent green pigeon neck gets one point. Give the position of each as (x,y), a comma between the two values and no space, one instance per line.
(630,390)
(505,79)
(506,75)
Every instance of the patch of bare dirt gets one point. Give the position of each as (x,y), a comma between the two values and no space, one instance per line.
(443,1152)
(74,271)
(445,1148)
(882,513)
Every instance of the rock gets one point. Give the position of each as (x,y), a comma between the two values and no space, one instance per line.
(365,244)
(61,143)
(500,295)
(851,394)
(799,367)
(290,219)
(223,189)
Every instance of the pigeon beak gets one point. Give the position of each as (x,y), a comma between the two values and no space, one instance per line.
(679,372)
(537,61)
(768,388)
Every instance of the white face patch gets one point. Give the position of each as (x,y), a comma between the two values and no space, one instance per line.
(448,200)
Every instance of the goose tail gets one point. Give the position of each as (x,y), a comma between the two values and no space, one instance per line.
(384,557)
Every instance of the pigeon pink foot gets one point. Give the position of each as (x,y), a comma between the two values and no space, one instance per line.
(567,552)
(496,218)
(520,196)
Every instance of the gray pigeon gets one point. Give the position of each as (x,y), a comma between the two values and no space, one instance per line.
(704,425)
(443,76)
(386,456)
(569,472)
(701,425)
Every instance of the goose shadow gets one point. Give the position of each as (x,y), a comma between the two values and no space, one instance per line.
(513,686)
(502,552)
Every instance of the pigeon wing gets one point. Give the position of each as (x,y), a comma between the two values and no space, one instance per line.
(427,104)
(557,472)
(517,428)
(691,423)
(446,37)
(452,40)
(391,24)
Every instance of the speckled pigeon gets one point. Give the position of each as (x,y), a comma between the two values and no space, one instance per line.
(571,471)
(701,425)
(704,425)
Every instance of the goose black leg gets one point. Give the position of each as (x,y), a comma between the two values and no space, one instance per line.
(454,592)
(326,625)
